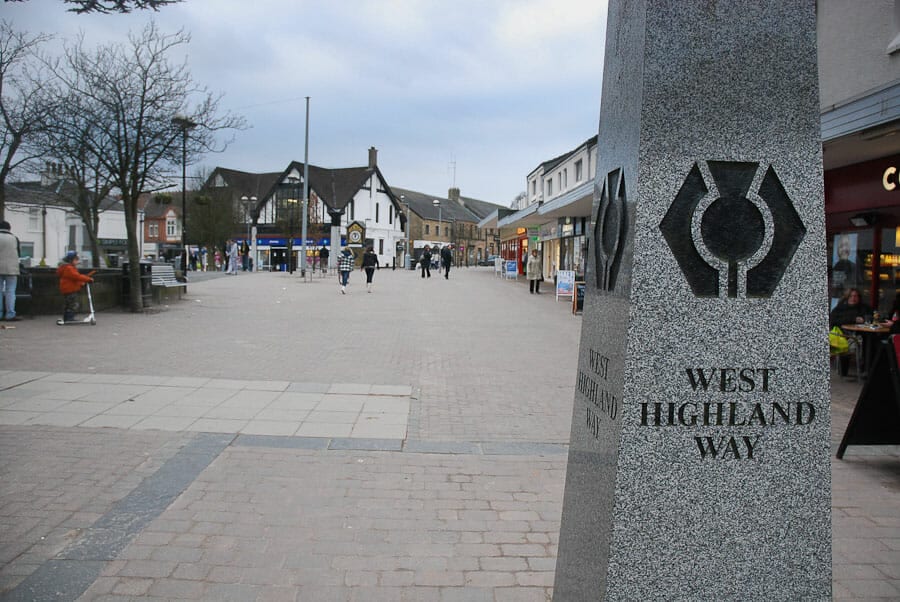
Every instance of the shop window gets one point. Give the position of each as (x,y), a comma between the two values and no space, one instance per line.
(889,270)
(850,264)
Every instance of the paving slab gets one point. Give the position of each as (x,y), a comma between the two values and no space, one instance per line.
(463,505)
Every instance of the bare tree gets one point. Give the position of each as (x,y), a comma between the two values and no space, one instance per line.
(111,6)
(23,104)
(141,104)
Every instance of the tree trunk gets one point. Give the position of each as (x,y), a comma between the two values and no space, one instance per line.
(135,299)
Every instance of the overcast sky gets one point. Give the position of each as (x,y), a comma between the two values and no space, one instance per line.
(492,86)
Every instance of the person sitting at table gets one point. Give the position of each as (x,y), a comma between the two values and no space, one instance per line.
(849,310)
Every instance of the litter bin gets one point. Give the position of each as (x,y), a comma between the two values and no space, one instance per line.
(146,279)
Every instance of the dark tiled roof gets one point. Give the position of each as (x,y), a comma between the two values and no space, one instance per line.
(471,210)
(33,193)
(335,187)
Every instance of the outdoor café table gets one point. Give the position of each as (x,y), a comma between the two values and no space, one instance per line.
(871,334)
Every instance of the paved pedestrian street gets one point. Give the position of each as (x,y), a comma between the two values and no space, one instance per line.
(267,438)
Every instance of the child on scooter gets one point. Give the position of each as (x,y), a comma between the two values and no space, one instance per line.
(70,282)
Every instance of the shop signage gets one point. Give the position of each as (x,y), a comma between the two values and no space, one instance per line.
(112,242)
(889,178)
(565,283)
(511,270)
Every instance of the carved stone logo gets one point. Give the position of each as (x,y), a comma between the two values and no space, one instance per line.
(733,229)
(610,230)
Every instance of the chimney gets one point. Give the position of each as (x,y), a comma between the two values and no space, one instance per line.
(373,157)
(453,195)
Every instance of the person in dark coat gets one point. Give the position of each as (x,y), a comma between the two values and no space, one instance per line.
(323,258)
(369,264)
(849,310)
(446,261)
(425,261)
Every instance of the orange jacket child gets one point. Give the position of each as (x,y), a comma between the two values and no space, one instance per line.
(70,280)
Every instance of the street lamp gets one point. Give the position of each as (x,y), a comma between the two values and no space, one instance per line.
(305,202)
(250,204)
(185,124)
(437,203)
(407,256)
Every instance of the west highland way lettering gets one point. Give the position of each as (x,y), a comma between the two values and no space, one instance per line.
(743,381)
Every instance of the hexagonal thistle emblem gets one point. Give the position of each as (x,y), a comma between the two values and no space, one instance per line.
(733,229)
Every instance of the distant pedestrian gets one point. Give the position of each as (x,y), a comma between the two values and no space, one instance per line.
(324,253)
(232,257)
(369,264)
(70,282)
(446,261)
(345,266)
(9,270)
(425,261)
(218,256)
(245,256)
(204,259)
(533,272)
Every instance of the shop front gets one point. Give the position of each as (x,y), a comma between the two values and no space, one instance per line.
(862,219)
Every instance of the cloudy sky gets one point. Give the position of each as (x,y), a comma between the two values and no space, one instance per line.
(493,87)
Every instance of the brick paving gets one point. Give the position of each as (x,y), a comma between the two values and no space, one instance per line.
(465,506)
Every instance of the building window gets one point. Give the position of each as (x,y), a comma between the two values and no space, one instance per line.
(579,167)
(437,230)
(549,187)
(381,246)
(426,228)
(534,188)
(390,214)
(170,227)
(565,179)
(376,212)
(352,210)
(34,219)
(153,231)
(26,249)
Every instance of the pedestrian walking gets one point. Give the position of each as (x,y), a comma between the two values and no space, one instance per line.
(425,261)
(9,270)
(233,250)
(533,272)
(345,266)
(323,258)
(70,282)
(218,256)
(447,260)
(369,264)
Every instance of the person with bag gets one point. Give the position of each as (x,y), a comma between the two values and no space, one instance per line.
(533,272)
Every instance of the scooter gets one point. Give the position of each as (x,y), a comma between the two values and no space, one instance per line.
(90,319)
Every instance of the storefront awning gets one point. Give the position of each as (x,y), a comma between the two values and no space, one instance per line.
(575,203)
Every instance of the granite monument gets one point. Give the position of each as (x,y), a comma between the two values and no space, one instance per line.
(699,461)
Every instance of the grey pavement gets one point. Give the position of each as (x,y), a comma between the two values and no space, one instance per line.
(271,439)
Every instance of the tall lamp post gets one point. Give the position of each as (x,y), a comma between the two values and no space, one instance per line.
(185,124)
(305,205)
(407,256)
(437,203)
(250,205)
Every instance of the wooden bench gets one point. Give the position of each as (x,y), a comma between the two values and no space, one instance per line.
(162,280)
